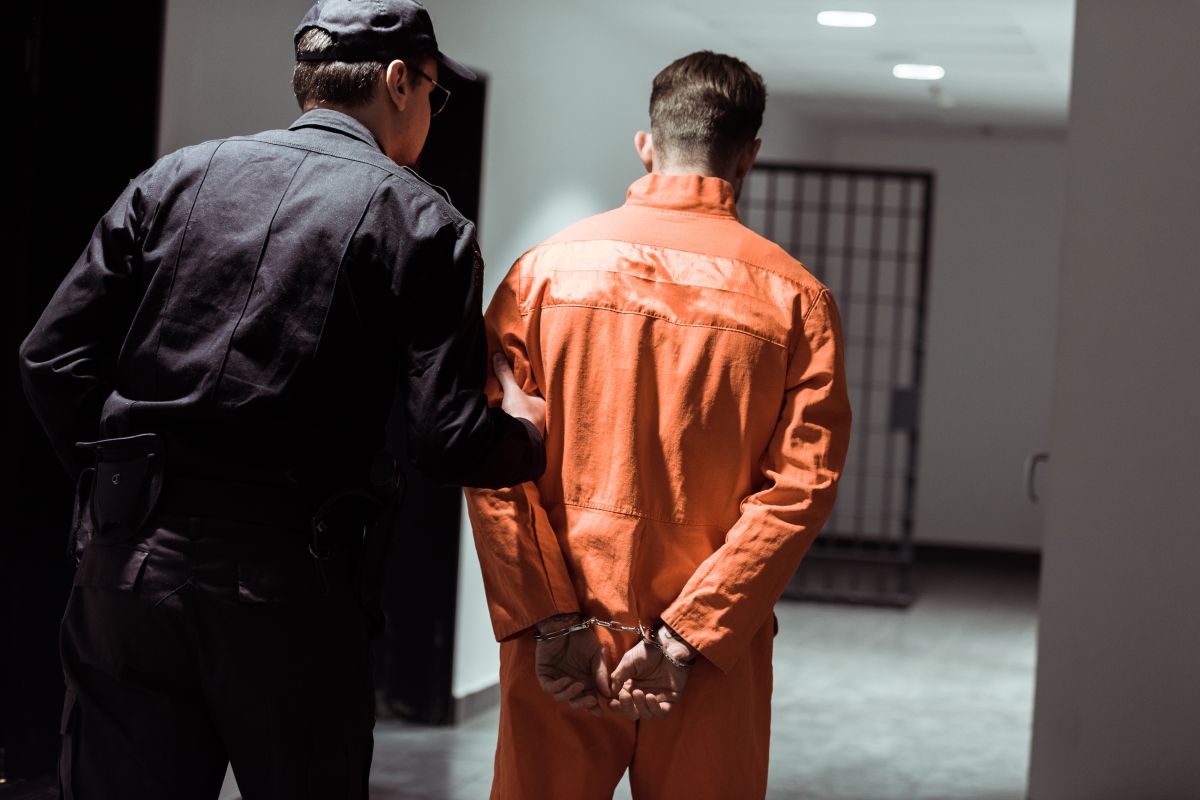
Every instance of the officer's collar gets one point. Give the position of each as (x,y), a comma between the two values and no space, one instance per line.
(336,121)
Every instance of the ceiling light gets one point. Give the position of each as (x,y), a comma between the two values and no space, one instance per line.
(846,19)
(919,72)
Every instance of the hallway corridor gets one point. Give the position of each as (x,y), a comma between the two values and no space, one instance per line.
(932,703)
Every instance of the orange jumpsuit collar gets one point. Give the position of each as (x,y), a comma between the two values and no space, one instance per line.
(692,194)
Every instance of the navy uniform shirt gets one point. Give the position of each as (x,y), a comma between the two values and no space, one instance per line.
(257,299)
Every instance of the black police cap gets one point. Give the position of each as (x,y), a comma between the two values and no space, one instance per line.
(375,30)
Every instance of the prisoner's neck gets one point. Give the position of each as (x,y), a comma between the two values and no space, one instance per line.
(692,168)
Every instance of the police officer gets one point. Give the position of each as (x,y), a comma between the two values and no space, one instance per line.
(227,349)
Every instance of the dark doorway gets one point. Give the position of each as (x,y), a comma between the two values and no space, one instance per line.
(865,234)
(85,122)
(415,658)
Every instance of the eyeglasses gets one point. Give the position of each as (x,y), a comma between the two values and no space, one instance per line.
(439,95)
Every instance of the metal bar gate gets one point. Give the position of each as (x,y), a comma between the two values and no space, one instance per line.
(865,234)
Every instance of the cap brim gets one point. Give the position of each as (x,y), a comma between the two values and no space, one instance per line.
(458,69)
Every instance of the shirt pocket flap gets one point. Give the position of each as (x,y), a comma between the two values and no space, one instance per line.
(111,566)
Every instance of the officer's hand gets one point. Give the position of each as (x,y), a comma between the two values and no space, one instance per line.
(645,684)
(515,402)
(572,667)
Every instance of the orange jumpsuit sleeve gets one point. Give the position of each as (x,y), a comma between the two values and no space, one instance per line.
(732,593)
(525,575)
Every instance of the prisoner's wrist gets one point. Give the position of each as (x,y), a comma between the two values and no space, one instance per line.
(558,621)
(674,645)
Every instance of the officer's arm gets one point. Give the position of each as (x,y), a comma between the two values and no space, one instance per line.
(454,436)
(731,595)
(68,360)
(524,573)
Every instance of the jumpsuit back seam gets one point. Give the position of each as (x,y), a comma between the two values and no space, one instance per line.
(668,320)
(810,284)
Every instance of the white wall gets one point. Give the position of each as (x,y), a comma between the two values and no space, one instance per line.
(1117,710)
(227,69)
(789,132)
(993,285)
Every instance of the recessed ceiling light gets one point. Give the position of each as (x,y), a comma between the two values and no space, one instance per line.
(919,72)
(846,19)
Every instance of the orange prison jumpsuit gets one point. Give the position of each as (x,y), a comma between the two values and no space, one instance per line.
(698,422)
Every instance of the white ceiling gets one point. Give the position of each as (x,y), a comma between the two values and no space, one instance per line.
(1008,62)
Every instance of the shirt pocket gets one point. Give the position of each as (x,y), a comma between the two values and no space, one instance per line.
(111,566)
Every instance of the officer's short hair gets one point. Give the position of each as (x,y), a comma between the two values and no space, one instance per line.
(705,107)
(338,83)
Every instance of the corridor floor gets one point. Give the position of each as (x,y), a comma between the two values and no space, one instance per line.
(931,703)
(870,704)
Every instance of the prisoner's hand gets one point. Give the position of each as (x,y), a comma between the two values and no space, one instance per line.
(515,402)
(572,667)
(645,684)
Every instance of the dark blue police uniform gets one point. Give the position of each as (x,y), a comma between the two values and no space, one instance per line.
(234,336)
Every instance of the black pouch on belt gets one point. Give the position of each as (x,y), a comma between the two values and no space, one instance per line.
(126,485)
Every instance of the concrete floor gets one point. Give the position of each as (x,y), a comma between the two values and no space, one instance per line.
(931,703)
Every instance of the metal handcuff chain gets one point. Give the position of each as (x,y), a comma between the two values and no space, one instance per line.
(644,633)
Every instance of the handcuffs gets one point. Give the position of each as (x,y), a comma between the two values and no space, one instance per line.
(644,633)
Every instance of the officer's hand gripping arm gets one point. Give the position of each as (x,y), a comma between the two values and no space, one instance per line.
(454,436)
(524,572)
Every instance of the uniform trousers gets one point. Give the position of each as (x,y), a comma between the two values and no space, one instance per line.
(203,642)
(714,745)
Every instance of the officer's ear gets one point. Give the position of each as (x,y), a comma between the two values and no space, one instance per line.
(395,83)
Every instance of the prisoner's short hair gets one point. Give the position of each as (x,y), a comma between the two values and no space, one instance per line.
(705,107)
(338,83)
